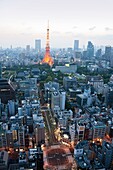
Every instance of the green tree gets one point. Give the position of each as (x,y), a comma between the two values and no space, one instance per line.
(49,78)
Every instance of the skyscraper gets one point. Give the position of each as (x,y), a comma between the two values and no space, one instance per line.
(38,45)
(90,50)
(76,45)
(108,53)
(98,53)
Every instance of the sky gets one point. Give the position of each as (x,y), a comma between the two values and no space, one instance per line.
(23,21)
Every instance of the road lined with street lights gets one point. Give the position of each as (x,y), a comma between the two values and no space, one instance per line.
(50,127)
(53,140)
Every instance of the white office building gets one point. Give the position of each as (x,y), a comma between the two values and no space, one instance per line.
(58,99)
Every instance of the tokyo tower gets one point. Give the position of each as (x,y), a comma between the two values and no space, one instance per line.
(47,57)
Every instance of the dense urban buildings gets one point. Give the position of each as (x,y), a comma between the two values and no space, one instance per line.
(56,87)
(56,114)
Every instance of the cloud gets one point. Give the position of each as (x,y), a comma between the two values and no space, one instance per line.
(29,28)
(68,32)
(108,29)
(92,28)
(56,32)
(75,27)
(26,33)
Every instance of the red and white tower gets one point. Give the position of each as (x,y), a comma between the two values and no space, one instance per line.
(47,57)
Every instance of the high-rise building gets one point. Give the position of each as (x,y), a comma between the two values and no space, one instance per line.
(55,101)
(4,157)
(96,81)
(90,50)
(78,55)
(3,140)
(80,130)
(109,97)
(107,150)
(39,158)
(62,100)
(98,53)
(108,53)
(84,56)
(7,90)
(38,45)
(15,131)
(0,108)
(76,45)
(27,48)
(11,107)
(88,132)
(69,82)
(21,137)
(0,70)
(69,50)
(50,87)
(39,133)
(58,99)
(9,136)
(111,60)
(99,130)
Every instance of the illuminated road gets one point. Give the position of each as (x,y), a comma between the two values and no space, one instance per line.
(47,123)
(49,127)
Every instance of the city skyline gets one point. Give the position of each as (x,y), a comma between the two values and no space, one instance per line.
(24,21)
